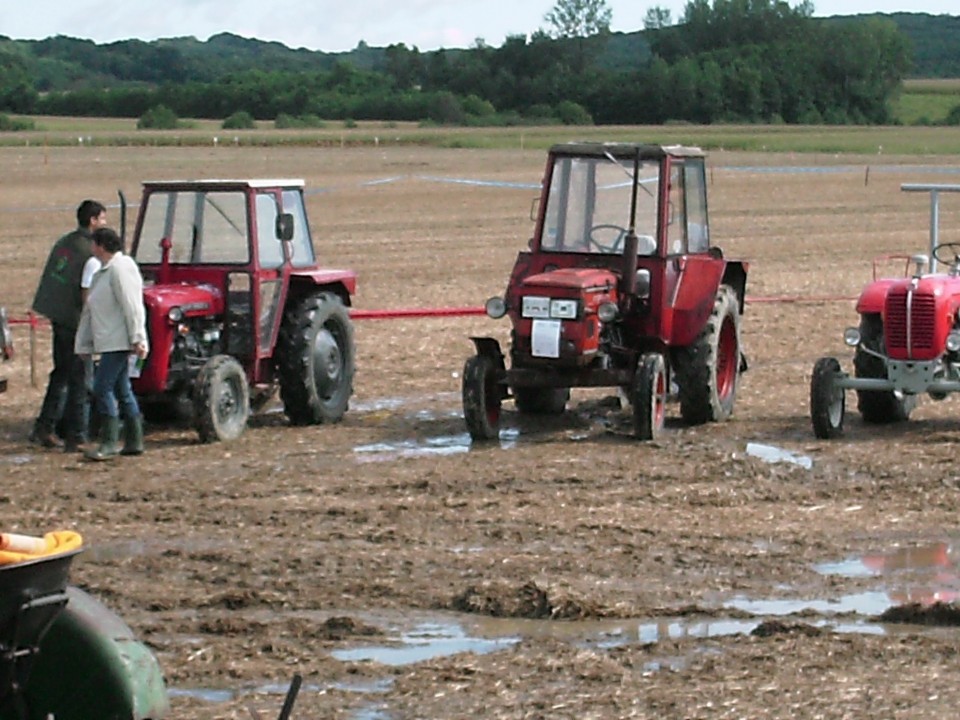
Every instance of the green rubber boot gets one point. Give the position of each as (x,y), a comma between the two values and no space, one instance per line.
(132,436)
(109,440)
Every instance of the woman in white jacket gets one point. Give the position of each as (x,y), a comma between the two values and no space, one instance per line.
(113,324)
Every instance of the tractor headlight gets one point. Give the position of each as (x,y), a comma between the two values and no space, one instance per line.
(535,306)
(174,314)
(953,341)
(496,307)
(563,309)
(851,337)
(607,312)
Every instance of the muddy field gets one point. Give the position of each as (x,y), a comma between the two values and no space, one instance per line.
(736,570)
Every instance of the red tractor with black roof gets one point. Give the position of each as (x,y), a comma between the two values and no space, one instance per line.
(238,306)
(620,287)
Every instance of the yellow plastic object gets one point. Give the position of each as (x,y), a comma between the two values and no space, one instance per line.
(22,548)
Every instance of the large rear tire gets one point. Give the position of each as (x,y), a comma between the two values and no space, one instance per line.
(541,401)
(649,397)
(317,360)
(708,371)
(877,406)
(221,400)
(482,397)
(827,400)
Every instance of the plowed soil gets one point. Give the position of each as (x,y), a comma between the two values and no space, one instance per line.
(242,564)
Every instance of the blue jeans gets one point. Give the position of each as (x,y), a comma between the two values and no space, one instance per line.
(111,386)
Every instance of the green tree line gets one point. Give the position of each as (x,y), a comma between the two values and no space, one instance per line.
(726,61)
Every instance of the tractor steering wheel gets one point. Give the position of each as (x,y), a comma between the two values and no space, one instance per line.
(613,247)
(948,254)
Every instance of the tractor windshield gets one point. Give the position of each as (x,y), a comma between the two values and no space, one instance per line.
(588,205)
(203,227)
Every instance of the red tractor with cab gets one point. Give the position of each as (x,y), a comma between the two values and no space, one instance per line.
(238,306)
(620,287)
(907,342)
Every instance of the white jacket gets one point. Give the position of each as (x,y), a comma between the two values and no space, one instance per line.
(113,318)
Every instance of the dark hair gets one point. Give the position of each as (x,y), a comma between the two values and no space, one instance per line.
(108,239)
(88,210)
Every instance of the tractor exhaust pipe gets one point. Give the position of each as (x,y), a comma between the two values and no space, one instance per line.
(123,219)
(628,281)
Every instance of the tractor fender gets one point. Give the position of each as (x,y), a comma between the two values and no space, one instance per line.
(309,283)
(343,282)
(735,275)
(874,296)
(490,347)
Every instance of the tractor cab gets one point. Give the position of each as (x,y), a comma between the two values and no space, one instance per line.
(225,262)
(620,276)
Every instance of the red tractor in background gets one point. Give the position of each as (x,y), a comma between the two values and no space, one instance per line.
(621,288)
(238,306)
(907,342)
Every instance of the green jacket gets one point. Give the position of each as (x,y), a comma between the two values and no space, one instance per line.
(58,296)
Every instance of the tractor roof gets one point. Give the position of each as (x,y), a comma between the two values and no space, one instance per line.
(625,150)
(225,184)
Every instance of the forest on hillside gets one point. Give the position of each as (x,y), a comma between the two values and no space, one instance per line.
(727,61)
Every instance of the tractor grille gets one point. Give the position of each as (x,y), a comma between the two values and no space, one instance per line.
(921,321)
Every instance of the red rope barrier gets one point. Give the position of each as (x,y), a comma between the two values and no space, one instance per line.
(35,321)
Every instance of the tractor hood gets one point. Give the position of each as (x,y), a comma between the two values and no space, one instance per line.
(918,313)
(191,299)
(576,279)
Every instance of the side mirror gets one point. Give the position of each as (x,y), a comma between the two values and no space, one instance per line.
(284,228)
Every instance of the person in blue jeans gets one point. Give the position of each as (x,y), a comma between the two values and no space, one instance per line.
(113,324)
(60,295)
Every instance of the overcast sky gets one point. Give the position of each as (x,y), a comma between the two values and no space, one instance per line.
(339,25)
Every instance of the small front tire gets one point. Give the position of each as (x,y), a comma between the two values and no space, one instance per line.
(649,397)
(482,397)
(827,399)
(221,400)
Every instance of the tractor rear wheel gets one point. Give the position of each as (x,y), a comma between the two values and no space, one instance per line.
(827,400)
(482,397)
(221,400)
(541,401)
(877,406)
(317,360)
(649,397)
(708,371)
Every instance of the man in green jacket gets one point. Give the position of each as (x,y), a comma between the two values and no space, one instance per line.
(60,296)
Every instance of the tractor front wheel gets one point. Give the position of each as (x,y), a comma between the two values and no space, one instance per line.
(827,399)
(708,371)
(221,400)
(316,360)
(482,397)
(877,406)
(649,398)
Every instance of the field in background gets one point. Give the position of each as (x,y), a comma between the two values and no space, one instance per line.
(927,100)
(860,140)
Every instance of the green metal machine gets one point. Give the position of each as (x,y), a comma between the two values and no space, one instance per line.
(63,654)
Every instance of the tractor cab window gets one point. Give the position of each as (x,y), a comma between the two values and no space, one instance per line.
(588,205)
(203,227)
(269,246)
(698,230)
(303,255)
(687,228)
